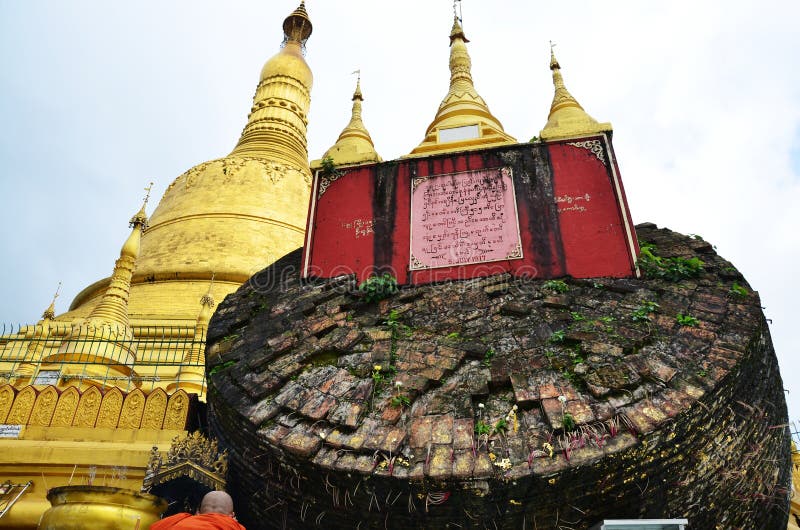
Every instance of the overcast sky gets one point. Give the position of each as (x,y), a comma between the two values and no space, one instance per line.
(99,98)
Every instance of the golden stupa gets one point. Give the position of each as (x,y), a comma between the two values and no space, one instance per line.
(228,217)
(88,393)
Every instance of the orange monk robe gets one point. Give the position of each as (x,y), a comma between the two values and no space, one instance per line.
(203,521)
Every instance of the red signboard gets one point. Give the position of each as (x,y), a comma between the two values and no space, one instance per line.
(464,218)
(538,210)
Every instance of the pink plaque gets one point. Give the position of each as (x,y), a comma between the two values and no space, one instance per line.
(464,218)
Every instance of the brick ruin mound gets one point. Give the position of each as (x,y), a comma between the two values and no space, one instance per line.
(502,402)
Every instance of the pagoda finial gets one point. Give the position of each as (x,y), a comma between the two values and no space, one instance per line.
(458,19)
(207,300)
(562,97)
(297,26)
(357,94)
(457,14)
(567,117)
(140,218)
(354,145)
(50,312)
(463,120)
(553,62)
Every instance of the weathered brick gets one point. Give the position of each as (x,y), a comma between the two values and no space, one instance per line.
(581,411)
(440,465)
(421,431)
(463,464)
(442,432)
(300,442)
(269,400)
(463,430)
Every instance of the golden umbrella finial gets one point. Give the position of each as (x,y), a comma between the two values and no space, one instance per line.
(457,13)
(463,120)
(148,189)
(207,299)
(50,312)
(357,94)
(553,61)
(140,218)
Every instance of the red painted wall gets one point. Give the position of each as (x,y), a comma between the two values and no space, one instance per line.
(571,208)
(589,215)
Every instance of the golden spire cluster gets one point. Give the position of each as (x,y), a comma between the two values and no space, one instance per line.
(354,145)
(567,118)
(463,120)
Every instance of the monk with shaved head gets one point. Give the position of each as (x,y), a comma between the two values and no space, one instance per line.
(215,513)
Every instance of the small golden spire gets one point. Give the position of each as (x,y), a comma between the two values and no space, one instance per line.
(463,120)
(354,145)
(191,374)
(562,96)
(50,312)
(26,370)
(567,118)
(113,307)
(105,336)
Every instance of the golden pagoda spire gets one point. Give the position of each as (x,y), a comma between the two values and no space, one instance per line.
(463,120)
(354,145)
(567,118)
(191,374)
(113,307)
(102,347)
(276,126)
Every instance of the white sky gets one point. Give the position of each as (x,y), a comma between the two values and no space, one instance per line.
(99,98)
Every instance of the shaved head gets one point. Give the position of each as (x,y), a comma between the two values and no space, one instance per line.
(217,502)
